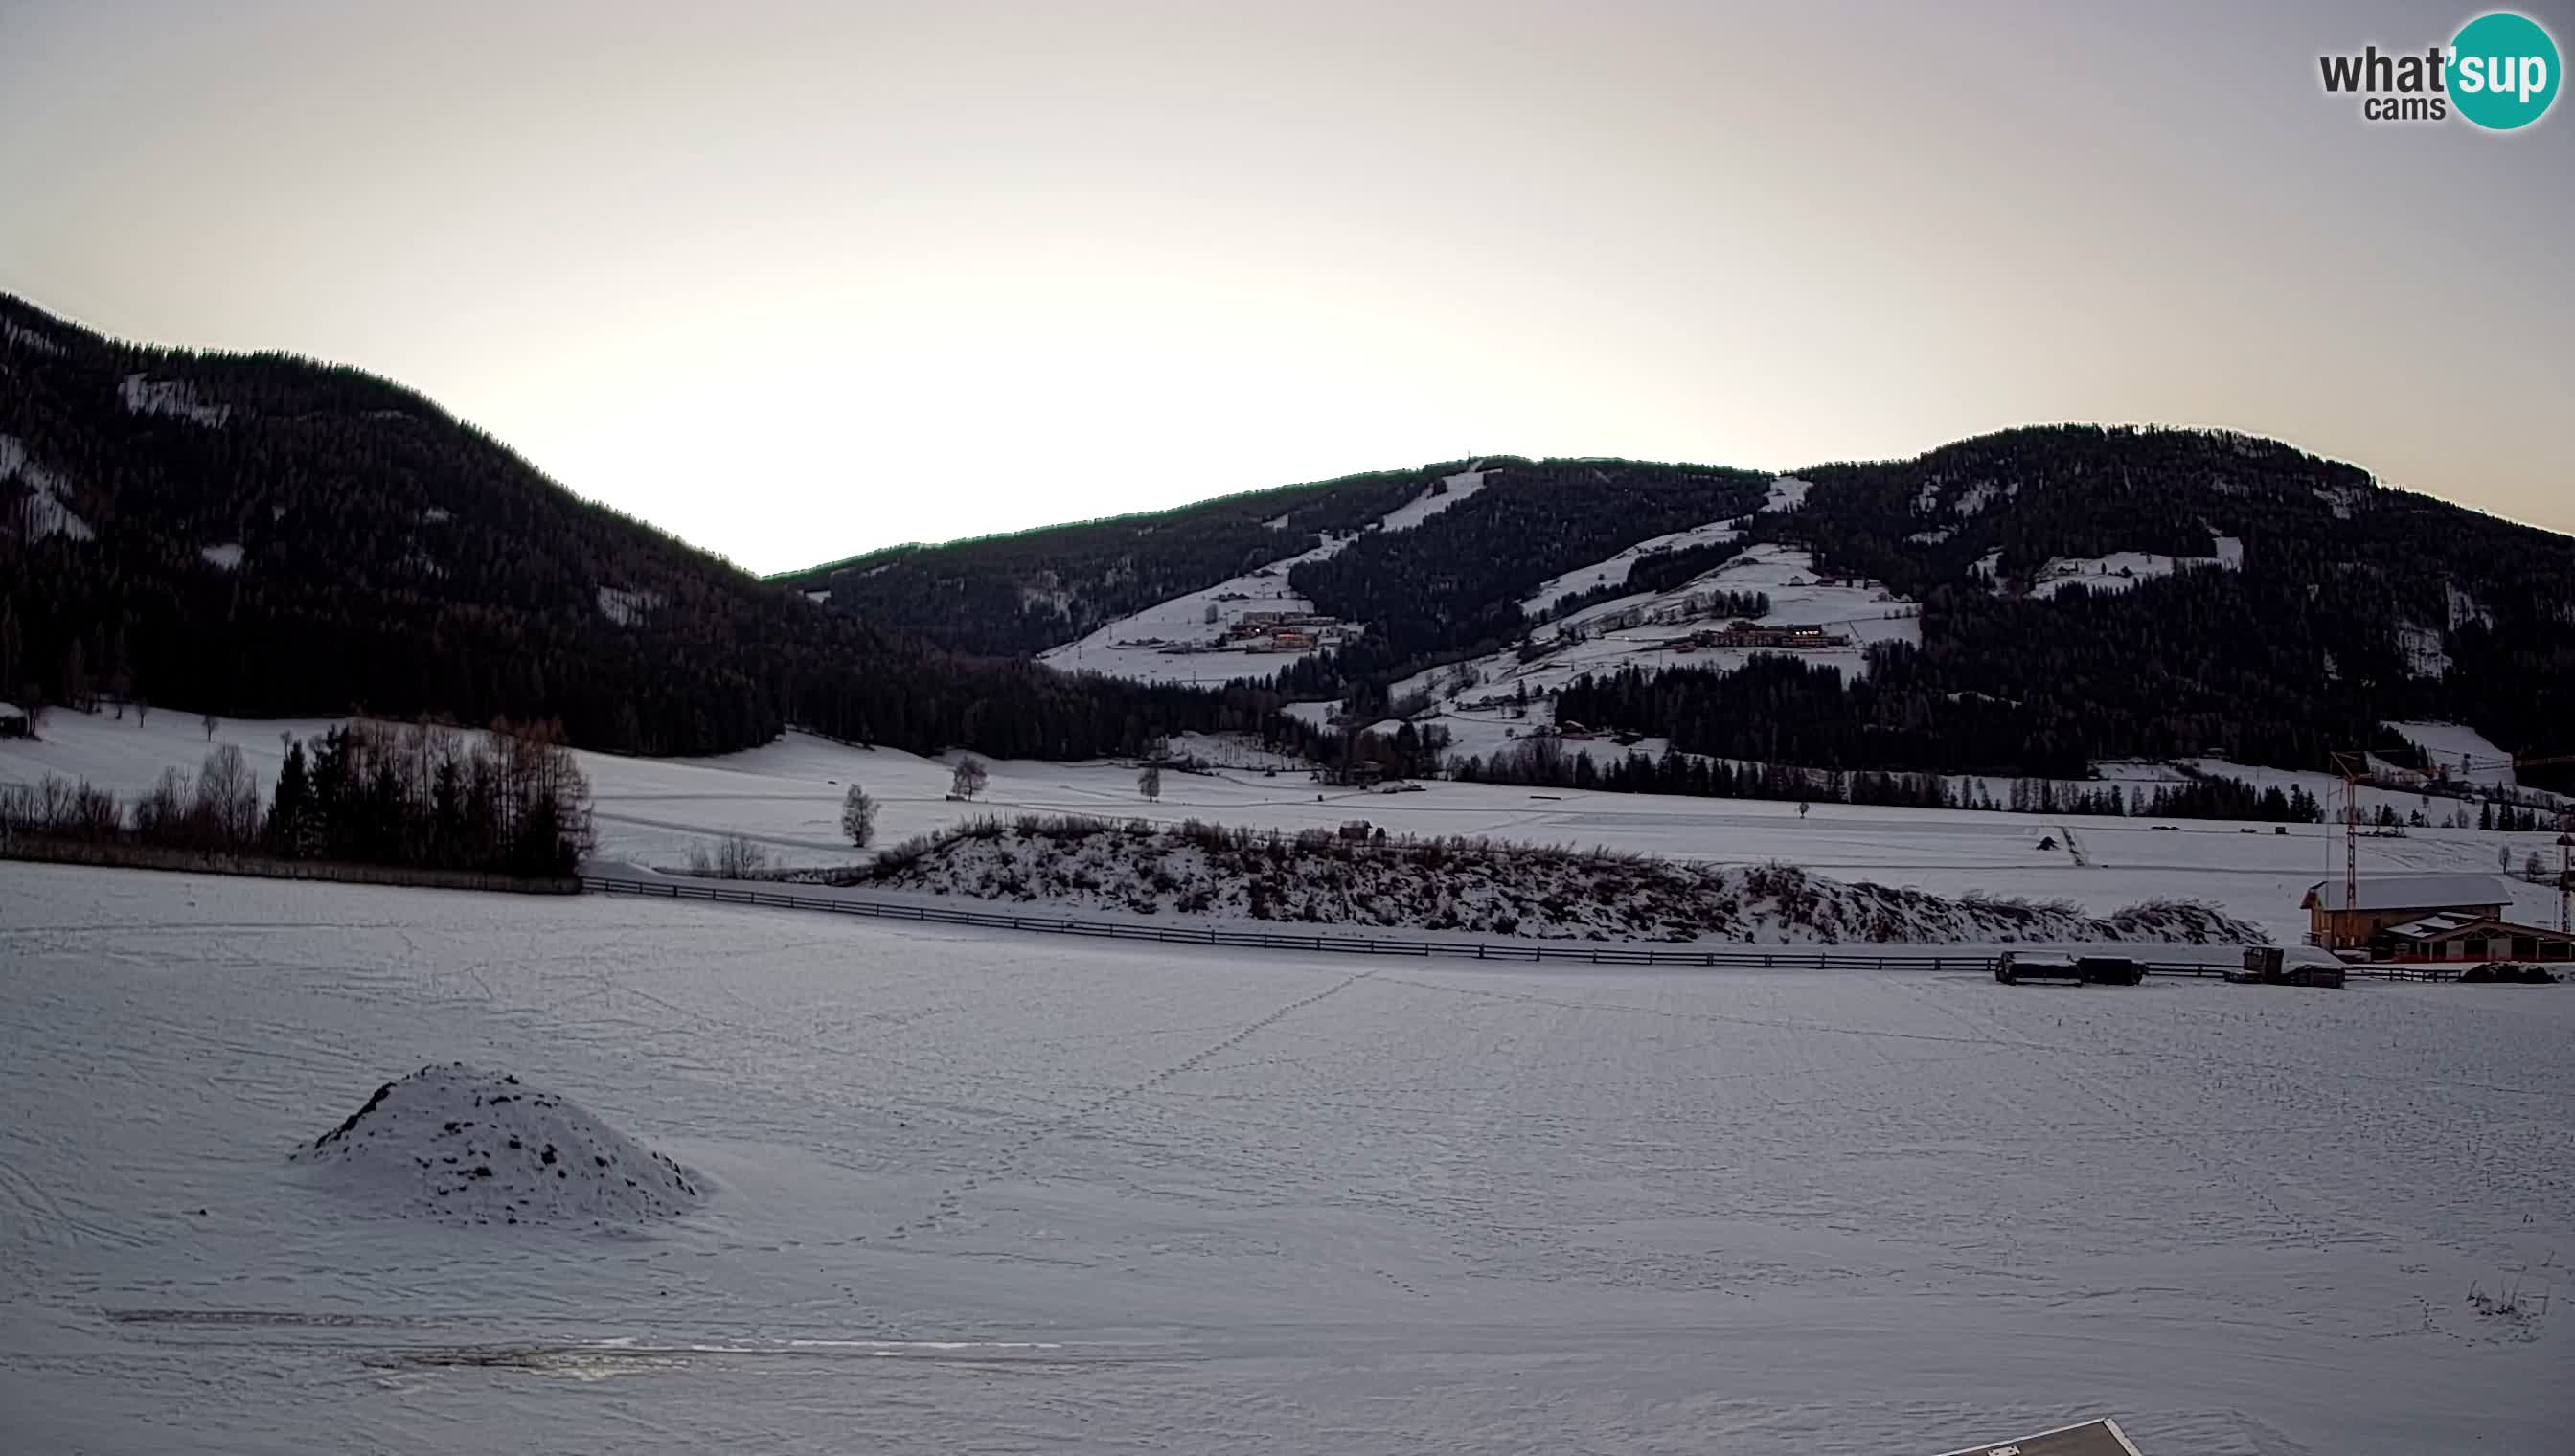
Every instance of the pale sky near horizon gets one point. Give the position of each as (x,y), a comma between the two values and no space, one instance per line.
(798,280)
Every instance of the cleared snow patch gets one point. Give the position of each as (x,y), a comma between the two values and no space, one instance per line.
(227,556)
(2449,743)
(1977,497)
(1651,630)
(1932,537)
(463,1145)
(1786,494)
(1185,638)
(437,516)
(171,397)
(818,598)
(627,608)
(2121,571)
(43,514)
(2424,654)
(1432,501)
(2465,608)
(2341,500)
(1613,569)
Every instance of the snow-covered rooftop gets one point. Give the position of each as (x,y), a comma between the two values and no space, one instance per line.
(2410,892)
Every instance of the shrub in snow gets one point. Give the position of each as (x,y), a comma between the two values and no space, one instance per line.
(735,856)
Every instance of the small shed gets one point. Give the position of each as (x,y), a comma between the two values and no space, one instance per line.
(2340,920)
(14,722)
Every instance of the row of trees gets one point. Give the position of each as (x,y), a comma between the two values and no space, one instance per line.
(510,800)
(1546,762)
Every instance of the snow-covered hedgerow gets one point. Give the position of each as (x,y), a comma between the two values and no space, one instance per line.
(1482,886)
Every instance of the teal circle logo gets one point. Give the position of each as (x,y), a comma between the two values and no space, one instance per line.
(2503,71)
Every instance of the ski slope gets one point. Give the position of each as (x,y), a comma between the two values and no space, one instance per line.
(1137,647)
(1613,569)
(1037,1193)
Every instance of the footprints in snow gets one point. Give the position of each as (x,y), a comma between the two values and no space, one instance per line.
(1007,1161)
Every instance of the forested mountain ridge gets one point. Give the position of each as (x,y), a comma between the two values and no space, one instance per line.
(2083,593)
(266,536)
(2312,604)
(1027,591)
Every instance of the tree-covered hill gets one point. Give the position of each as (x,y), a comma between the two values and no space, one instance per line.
(1032,590)
(261,535)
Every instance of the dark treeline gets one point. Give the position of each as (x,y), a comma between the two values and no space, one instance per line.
(1717,603)
(1406,751)
(394,561)
(1547,762)
(511,800)
(1662,570)
(507,801)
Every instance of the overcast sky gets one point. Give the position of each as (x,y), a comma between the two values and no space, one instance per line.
(799,280)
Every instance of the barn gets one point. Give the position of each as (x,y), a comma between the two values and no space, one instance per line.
(2341,917)
(2455,936)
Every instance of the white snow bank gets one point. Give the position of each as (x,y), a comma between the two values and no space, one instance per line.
(227,556)
(463,1145)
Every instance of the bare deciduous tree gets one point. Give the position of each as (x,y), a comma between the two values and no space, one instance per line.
(858,817)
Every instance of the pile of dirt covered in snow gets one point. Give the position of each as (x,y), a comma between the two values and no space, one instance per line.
(1487,888)
(463,1145)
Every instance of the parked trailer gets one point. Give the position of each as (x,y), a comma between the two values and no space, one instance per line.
(2014,967)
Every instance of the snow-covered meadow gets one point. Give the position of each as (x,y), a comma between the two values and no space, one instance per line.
(1028,1193)
(787,796)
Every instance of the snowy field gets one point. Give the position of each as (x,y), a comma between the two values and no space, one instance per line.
(1023,1193)
(787,795)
